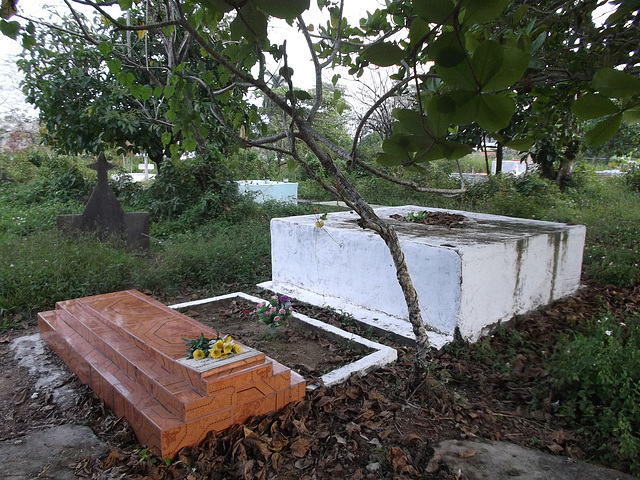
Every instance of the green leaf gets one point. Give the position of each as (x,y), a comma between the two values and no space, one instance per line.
(593,105)
(466,110)
(146,92)
(520,144)
(487,60)
(537,43)
(476,11)
(105,48)
(189,144)
(287,9)
(410,120)
(384,54)
(439,115)
(9,29)
(169,90)
(397,146)
(175,150)
(446,51)
(632,115)
(334,79)
(28,41)
(514,63)
(603,131)
(459,76)
(222,6)
(114,65)
(494,111)
(519,14)
(166,138)
(418,30)
(614,83)
(434,11)
(302,95)
(389,160)
(249,23)
(124,4)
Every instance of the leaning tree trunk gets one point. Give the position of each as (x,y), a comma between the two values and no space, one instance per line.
(369,219)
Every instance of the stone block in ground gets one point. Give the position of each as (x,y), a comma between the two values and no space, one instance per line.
(489,460)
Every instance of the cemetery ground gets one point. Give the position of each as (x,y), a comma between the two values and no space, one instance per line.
(561,380)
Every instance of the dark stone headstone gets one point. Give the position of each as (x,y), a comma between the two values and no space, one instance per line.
(104,216)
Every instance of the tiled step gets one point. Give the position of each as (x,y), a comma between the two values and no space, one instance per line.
(167,410)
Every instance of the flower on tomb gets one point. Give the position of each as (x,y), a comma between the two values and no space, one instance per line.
(198,354)
(216,347)
(274,312)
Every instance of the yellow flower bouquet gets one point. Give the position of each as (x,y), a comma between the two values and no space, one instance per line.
(217,347)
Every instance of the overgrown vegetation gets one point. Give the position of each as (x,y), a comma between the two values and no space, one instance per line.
(206,238)
(598,377)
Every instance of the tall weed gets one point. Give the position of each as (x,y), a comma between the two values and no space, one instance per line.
(38,270)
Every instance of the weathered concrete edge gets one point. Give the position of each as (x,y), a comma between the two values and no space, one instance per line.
(384,324)
(381,356)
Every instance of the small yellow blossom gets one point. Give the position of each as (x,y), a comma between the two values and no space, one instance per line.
(236,348)
(215,353)
(198,354)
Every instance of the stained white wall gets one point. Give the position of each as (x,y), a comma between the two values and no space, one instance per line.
(471,277)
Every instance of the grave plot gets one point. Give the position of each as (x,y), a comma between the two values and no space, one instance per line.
(131,350)
(471,274)
(378,355)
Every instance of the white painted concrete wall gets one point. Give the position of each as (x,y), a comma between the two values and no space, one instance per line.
(510,166)
(265,190)
(471,277)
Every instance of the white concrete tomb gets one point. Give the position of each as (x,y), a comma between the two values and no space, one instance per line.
(265,190)
(471,276)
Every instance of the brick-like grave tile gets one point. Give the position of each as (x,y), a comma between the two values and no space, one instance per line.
(130,350)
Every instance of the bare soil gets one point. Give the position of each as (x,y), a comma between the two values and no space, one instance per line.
(370,427)
(308,352)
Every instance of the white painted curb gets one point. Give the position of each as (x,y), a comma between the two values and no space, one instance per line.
(382,355)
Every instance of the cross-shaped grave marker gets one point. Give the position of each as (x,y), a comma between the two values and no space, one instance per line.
(104,216)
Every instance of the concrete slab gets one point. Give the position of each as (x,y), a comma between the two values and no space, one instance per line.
(50,453)
(487,460)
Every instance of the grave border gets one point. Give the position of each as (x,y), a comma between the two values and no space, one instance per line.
(381,356)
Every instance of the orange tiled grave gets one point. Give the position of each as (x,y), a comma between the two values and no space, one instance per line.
(130,350)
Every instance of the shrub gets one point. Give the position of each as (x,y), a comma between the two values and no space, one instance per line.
(632,178)
(598,375)
(526,196)
(200,190)
(20,166)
